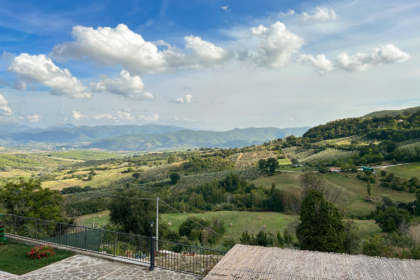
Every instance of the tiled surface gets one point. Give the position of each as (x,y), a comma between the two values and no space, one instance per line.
(84,267)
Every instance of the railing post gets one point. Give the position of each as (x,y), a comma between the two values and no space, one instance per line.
(36,229)
(85,239)
(15,226)
(114,243)
(59,233)
(152,251)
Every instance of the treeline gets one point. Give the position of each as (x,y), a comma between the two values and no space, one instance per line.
(230,194)
(396,129)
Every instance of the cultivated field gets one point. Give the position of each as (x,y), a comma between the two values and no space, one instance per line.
(250,159)
(407,170)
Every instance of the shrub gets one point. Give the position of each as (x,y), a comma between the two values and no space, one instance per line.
(41,251)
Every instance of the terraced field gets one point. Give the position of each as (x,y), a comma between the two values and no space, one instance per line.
(328,154)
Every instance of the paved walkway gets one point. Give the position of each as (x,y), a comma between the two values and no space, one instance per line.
(85,267)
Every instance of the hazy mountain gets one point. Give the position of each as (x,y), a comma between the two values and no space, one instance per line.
(391,112)
(189,138)
(60,133)
(13,127)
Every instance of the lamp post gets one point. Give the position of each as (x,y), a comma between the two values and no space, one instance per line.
(152,252)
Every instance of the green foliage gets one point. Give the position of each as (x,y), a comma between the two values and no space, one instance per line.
(261,239)
(85,207)
(85,155)
(392,218)
(131,213)
(351,237)
(174,178)
(27,198)
(195,230)
(321,228)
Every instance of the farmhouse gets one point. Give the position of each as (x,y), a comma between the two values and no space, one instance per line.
(335,169)
(272,263)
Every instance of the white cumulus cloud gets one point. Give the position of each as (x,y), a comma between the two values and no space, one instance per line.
(39,68)
(206,53)
(181,100)
(34,118)
(387,54)
(226,8)
(151,118)
(130,87)
(4,107)
(107,46)
(321,14)
(120,116)
(275,45)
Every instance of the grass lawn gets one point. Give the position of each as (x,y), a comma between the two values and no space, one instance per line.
(87,220)
(241,221)
(367,228)
(406,170)
(351,199)
(102,178)
(283,161)
(13,258)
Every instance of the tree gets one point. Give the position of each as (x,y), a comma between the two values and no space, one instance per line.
(193,228)
(133,215)
(27,198)
(262,165)
(321,228)
(392,218)
(280,240)
(351,239)
(369,187)
(136,175)
(174,178)
(272,164)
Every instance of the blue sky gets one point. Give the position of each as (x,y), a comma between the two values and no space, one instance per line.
(206,64)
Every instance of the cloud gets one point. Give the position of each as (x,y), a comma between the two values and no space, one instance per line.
(275,45)
(287,119)
(34,118)
(4,107)
(107,46)
(321,14)
(206,53)
(289,13)
(182,100)
(320,62)
(182,120)
(3,82)
(19,85)
(120,116)
(150,118)
(226,8)
(187,88)
(39,68)
(130,87)
(387,54)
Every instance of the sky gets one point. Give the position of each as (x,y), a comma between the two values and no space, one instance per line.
(206,64)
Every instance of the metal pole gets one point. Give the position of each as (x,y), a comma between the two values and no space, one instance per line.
(152,252)
(85,238)
(157,223)
(59,234)
(114,243)
(15,226)
(36,229)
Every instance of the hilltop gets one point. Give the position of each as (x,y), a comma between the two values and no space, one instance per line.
(392,113)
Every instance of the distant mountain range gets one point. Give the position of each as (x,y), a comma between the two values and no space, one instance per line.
(392,112)
(140,137)
(190,138)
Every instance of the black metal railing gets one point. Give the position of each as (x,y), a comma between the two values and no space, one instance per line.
(170,255)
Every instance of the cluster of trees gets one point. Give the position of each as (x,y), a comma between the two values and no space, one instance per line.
(76,189)
(197,164)
(27,198)
(389,180)
(229,194)
(268,165)
(396,129)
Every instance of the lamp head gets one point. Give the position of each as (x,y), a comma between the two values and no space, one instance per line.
(151,224)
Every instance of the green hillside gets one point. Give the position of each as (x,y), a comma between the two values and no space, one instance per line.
(393,113)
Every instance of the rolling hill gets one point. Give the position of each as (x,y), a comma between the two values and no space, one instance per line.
(189,138)
(391,112)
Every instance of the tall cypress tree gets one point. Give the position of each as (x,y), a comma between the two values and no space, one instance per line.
(321,227)
(369,187)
